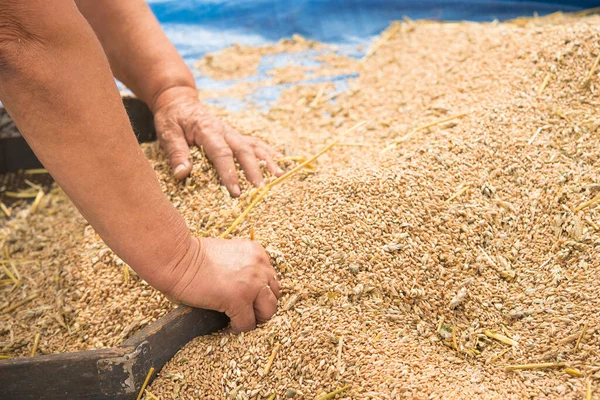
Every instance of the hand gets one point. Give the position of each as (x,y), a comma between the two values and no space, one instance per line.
(182,121)
(230,276)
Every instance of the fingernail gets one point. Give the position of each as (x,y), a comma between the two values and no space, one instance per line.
(235,190)
(178,169)
(279,171)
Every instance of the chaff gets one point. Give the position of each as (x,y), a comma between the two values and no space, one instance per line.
(587,204)
(331,395)
(522,367)
(588,79)
(5,209)
(19,304)
(387,35)
(10,275)
(549,76)
(36,171)
(583,330)
(501,338)
(537,132)
(411,133)
(459,192)
(36,202)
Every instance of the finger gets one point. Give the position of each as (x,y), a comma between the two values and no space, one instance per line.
(244,153)
(275,286)
(219,153)
(243,320)
(173,141)
(272,166)
(265,305)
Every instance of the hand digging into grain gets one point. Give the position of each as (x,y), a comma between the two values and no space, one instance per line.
(56,82)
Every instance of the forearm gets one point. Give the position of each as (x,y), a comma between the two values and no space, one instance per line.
(140,54)
(56,84)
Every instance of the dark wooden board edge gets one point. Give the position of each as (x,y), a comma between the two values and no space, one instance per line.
(56,376)
(15,153)
(168,335)
(116,373)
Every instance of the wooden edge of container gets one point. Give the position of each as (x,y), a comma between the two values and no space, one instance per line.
(116,373)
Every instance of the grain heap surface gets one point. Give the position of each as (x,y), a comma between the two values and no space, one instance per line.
(409,242)
(408,245)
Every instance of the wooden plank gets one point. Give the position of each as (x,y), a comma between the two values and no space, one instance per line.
(168,335)
(116,373)
(56,376)
(15,153)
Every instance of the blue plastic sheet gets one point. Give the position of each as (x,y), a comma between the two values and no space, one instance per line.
(197,27)
(200,26)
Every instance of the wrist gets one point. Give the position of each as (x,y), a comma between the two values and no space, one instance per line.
(167,95)
(174,278)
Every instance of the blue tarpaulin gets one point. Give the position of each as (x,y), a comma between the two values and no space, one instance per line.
(197,27)
(200,26)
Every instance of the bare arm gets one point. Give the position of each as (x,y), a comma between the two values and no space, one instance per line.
(143,58)
(56,83)
(139,53)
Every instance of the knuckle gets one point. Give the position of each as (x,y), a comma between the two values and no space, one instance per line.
(223,151)
(243,150)
(177,154)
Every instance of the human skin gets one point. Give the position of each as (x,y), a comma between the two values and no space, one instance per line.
(56,83)
(144,59)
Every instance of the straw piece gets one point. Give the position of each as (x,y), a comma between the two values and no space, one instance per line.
(272,397)
(387,35)
(331,395)
(26,194)
(19,304)
(592,223)
(271,359)
(268,187)
(340,365)
(537,132)
(36,171)
(585,326)
(588,390)
(318,96)
(588,204)
(5,209)
(497,356)
(151,395)
(588,79)
(458,193)
(10,275)
(299,167)
(573,372)
(533,366)
(501,338)
(150,372)
(410,134)
(549,76)
(126,273)
(36,341)
(36,202)
(4,357)
(245,213)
